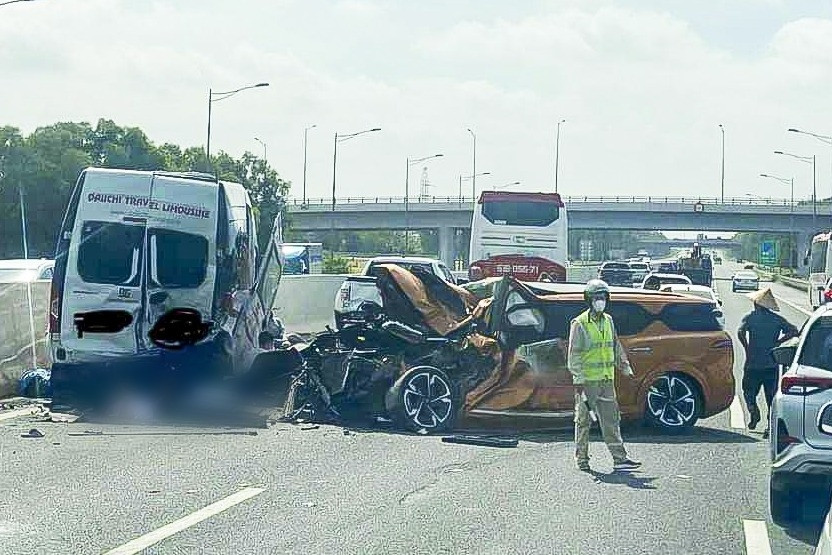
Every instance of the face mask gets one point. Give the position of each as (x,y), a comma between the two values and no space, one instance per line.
(598,305)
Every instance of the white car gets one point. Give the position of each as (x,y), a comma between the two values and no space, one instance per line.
(801,419)
(357,290)
(745,280)
(26,270)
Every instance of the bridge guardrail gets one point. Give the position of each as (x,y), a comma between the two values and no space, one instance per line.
(734,201)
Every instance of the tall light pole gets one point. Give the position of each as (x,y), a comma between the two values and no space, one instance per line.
(265,157)
(305,133)
(341,139)
(557,153)
(789,182)
(808,160)
(411,162)
(7,144)
(826,139)
(722,178)
(474,169)
(216,97)
(468,178)
(506,185)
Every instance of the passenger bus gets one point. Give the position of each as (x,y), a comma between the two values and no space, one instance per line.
(820,260)
(519,234)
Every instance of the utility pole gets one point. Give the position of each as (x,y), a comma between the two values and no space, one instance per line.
(722,180)
(305,132)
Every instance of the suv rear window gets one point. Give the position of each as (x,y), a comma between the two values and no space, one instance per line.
(110,253)
(615,266)
(817,348)
(371,271)
(179,260)
(691,317)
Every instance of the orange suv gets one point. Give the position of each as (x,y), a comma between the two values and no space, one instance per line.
(682,358)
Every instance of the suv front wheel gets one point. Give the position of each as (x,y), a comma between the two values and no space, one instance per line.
(673,403)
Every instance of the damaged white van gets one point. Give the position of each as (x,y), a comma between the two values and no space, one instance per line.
(157,276)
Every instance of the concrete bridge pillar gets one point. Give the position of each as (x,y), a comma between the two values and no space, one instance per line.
(447,251)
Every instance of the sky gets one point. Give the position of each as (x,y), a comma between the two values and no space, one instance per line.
(643,86)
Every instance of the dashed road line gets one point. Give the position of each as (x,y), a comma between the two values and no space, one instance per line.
(143,542)
(756,537)
(737,414)
(793,305)
(18,412)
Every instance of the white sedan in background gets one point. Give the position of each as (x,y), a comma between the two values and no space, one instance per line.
(745,279)
(26,270)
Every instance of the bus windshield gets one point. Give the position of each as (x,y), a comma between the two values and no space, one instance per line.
(524,213)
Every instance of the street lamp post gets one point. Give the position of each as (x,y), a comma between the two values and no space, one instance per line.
(826,139)
(468,178)
(341,139)
(411,162)
(506,185)
(216,97)
(722,172)
(474,172)
(305,133)
(808,160)
(557,153)
(23,226)
(265,153)
(790,183)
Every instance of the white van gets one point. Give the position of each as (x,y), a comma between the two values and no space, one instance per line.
(158,266)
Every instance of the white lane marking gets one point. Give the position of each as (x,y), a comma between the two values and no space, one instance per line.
(793,305)
(756,537)
(143,542)
(737,415)
(18,412)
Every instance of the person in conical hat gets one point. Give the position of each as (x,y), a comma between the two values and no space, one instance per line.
(760,331)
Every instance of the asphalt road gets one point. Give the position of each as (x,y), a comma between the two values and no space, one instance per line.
(295,490)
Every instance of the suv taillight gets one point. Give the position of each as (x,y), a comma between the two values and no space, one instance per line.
(475,273)
(344,294)
(804,385)
(827,295)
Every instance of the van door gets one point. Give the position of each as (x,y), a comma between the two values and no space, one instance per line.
(103,278)
(271,267)
(181,248)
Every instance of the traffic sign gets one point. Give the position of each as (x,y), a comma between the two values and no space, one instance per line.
(768,253)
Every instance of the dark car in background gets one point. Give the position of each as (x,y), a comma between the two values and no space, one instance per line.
(616,273)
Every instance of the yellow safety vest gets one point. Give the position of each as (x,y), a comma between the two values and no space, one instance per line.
(598,359)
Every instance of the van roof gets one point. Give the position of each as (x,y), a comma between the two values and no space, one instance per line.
(197,176)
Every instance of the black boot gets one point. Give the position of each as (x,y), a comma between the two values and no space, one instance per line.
(755,417)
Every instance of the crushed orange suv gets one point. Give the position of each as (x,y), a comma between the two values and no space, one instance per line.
(682,358)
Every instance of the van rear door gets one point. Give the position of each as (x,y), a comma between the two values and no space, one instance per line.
(181,248)
(105,258)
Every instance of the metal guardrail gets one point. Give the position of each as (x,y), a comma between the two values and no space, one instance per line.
(734,201)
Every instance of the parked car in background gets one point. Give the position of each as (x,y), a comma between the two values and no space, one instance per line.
(616,273)
(663,266)
(656,281)
(639,271)
(748,266)
(745,280)
(801,419)
(358,289)
(23,270)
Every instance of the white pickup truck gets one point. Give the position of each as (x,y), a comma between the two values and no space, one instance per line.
(362,288)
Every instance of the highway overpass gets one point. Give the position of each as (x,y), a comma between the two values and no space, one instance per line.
(449,215)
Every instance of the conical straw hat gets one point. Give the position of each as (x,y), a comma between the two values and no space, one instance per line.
(764,298)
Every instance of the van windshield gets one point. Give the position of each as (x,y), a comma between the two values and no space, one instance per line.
(110,253)
(178,260)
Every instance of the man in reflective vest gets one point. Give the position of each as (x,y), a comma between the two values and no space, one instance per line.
(595,353)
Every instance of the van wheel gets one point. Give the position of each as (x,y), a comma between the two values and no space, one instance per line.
(423,398)
(673,403)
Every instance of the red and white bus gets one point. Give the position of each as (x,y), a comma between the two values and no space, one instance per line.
(519,234)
